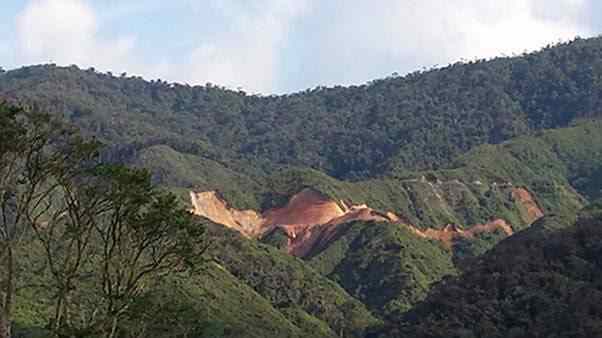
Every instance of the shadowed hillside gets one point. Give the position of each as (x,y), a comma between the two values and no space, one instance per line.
(543,282)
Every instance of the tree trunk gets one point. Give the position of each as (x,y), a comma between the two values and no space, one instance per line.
(4,325)
(113,328)
(6,298)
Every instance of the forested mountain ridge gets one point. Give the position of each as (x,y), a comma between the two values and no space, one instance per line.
(418,121)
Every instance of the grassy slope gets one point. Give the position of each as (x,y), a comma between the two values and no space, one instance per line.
(244,313)
(214,303)
(186,172)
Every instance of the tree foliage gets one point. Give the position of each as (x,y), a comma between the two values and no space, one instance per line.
(104,231)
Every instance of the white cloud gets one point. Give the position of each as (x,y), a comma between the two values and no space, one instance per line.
(244,52)
(5,54)
(362,40)
(258,44)
(513,26)
(67,32)
(247,53)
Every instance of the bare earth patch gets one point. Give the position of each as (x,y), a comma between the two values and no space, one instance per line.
(310,219)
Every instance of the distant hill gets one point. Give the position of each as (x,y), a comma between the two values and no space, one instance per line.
(419,121)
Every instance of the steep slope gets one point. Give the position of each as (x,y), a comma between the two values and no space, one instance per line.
(209,305)
(182,171)
(544,282)
(296,290)
(245,289)
(306,218)
(384,265)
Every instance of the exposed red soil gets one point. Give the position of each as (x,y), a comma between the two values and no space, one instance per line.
(310,219)
(307,218)
(304,240)
(533,211)
(453,232)
(304,209)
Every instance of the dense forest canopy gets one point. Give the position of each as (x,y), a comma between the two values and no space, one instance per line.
(418,121)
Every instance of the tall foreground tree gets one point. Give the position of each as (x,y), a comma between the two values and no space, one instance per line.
(113,237)
(9,133)
(23,174)
(104,231)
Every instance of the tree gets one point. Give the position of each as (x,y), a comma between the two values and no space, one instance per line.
(112,236)
(31,146)
(105,230)
(9,134)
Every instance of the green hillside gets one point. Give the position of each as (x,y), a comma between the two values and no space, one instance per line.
(544,282)
(244,289)
(384,265)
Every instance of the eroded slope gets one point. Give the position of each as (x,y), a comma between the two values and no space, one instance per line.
(310,219)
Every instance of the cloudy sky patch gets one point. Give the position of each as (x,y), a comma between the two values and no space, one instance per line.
(277,46)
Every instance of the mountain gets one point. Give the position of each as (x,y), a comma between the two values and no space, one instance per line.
(404,206)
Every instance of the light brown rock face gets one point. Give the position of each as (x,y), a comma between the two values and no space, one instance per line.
(209,205)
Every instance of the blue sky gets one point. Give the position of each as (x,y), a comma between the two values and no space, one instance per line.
(278,46)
